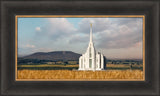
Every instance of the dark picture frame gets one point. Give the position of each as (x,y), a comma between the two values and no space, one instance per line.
(149,8)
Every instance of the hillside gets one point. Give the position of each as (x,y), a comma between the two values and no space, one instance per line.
(54,56)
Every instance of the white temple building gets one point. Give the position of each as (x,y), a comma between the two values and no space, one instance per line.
(92,60)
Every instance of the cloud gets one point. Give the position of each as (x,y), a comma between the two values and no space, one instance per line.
(99,24)
(38,29)
(78,39)
(27,46)
(110,33)
(117,33)
(57,28)
(83,30)
(30,46)
(42,50)
(25,49)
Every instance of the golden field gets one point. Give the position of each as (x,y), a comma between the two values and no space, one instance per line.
(83,75)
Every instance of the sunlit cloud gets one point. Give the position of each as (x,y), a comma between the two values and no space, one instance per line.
(27,46)
(38,29)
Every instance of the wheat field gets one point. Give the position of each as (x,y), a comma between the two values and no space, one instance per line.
(85,75)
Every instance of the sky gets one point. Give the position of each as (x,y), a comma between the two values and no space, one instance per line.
(116,38)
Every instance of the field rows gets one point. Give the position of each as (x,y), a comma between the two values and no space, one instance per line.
(68,74)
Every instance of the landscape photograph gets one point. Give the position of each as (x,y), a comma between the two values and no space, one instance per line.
(107,48)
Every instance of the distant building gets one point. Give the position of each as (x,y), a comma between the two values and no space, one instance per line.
(92,60)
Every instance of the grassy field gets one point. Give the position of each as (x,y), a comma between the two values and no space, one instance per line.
(85,75)
(47,71)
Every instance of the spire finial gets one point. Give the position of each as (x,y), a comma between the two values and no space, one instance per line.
(91,32)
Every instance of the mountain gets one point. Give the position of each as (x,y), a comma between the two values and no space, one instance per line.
(55,56)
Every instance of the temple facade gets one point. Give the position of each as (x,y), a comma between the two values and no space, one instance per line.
(92,60)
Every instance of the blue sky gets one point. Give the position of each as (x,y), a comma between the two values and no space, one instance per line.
(114,37)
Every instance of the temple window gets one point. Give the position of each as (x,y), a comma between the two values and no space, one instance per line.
(90,55)
(90,63)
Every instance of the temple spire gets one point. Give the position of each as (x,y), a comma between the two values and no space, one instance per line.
(91,32)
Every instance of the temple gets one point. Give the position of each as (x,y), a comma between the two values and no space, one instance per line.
(92,60)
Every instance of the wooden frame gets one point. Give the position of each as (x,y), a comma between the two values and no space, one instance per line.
(10,9)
